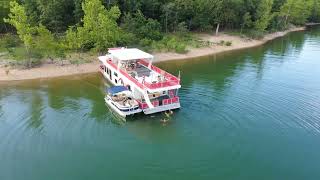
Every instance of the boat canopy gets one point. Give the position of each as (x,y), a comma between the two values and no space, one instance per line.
(124,54)
(116,89)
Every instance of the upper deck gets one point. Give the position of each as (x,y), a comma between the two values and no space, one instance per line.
(146,76)
(137,67)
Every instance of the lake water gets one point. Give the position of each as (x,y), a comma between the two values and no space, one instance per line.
(250,114)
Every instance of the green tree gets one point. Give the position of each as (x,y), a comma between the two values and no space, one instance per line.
(47,45)
(231,13)
(296,11)
(315,11)
(77,12)
(208,14)
(32,11)
(263,15)
(4,11)
(246,21)
(99,29)
(55,14)
(186,11)
(38,40)
(18,19)
(142,27)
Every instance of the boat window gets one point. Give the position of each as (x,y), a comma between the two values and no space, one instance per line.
(115,81)
(115,74)
(129,88)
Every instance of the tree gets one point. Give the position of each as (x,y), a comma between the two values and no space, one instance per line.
(142,27)
(231,13)
(37,40)
(46,43)
(55,14)
(315,11)
(32,11)
(263,15)
(170,16)
(77,12)
(99,29)
(246,21)
(186,11)
(208,14)
(296,11)
(18,19)
(4,11)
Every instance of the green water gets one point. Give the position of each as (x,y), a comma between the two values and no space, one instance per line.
(251,114)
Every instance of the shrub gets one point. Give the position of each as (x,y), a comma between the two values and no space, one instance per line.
(145,42)
(228,43)
(182,30)
(76,61)
(8,41)
(221,43)
(181,48)
(172,43)
(127,39)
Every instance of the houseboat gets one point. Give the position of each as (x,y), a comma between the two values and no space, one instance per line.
(132,71)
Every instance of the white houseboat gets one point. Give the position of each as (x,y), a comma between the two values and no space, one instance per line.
(154,89)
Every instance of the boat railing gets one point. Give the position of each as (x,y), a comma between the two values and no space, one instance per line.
(170,101)
(132,79)
(173,100)
(143,105)
(170,80)
(161,84)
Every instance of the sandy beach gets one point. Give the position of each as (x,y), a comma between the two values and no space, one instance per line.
(52,70)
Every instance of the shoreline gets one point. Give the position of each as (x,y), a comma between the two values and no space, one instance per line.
(46,71)
(238,43)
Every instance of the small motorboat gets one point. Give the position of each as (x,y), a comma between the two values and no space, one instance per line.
(120,99)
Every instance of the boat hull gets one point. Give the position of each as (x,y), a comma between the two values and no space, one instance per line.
(162,108)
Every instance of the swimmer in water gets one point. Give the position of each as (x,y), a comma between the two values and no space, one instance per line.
(164,120)
(168,116)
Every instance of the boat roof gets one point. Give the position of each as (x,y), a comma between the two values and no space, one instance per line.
(125,54)
(116,89)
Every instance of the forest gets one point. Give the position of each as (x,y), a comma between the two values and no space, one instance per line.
(32,30)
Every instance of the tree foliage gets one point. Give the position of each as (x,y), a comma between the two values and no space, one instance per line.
(50,27)
(38,40)
(99,29)
(4,11)
(263,15)
(142,27)
(18,18)
(296,11)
